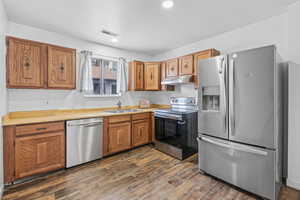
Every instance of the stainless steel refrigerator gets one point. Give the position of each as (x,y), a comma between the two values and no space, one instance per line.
(240,120)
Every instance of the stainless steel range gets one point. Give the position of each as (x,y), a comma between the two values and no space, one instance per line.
(176,128)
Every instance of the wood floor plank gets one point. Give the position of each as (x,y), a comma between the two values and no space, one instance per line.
(141,174)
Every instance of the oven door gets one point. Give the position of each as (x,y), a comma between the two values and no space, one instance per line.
(171,129)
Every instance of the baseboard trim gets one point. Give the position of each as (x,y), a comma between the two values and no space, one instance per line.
(293,183)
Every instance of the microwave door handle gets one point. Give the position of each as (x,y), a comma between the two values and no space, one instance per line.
(235,147)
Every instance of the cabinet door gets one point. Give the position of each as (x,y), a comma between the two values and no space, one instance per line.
(199,56)
(186,66)
(163,77)
(152,76)
(172,67)
(140,132)
(39,153)
(136,76)
(119,137)
(25,64)
(61,68)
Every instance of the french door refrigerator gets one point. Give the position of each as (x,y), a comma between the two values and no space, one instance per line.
(240,120)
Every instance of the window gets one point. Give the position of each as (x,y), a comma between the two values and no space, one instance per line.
(104,74)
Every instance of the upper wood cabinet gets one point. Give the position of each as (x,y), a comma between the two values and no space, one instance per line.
(186,65)
(152,76)
(136,75)
(37,65)
(26,64)
(61,68)
(172,67)
(199,56)
(164,76)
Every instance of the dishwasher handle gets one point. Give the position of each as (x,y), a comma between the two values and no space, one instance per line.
(87,124)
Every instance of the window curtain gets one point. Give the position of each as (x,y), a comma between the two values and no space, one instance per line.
(122,80)
(86,80)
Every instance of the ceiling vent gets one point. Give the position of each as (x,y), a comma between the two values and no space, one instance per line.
(106,32)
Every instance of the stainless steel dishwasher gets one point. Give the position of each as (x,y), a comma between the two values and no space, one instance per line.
(84,141)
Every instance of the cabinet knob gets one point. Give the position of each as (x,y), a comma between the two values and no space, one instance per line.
(27,64)
(185,66)
(62,68)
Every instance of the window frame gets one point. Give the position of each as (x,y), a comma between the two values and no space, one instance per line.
(100,95)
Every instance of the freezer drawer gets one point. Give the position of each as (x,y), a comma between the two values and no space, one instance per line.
(247,167)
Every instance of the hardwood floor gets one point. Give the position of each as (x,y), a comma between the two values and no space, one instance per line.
(142,173)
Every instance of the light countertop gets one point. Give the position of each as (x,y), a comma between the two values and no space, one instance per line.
(31,117)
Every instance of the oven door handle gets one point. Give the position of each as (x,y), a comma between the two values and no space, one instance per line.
(169,116)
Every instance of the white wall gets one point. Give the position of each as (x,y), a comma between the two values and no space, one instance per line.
(267,32)
(294,132)
(23,99)
(3,94)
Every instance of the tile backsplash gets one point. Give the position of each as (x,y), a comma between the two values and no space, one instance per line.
(26,100)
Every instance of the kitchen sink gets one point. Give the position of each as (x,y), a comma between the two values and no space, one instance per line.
(122,111)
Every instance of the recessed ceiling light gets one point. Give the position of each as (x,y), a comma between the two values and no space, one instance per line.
(167,4)
(114,40)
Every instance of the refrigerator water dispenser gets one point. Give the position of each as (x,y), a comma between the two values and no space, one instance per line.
(211,99)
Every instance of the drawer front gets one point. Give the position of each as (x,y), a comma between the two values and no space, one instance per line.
(121,118)
(247,167)
(39,128)
(140,116)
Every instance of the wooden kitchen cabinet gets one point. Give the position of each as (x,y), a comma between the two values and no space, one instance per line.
(172,67)
(33,149)
(136,76)
(119,137)
(38,65)
(61,68)
(124,132)
(152,77)
(140,132)
(26,63)
(164,76)
(199,56)
(186,65)
(39,153)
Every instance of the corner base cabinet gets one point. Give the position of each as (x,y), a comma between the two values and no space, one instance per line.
(33,149)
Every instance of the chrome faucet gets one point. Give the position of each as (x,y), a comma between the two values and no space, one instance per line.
(119,104)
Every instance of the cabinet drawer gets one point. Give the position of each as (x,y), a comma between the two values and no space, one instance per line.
(140,116)
(39,128)
(121,118)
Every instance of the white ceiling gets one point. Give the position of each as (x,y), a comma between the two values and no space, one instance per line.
(142,24)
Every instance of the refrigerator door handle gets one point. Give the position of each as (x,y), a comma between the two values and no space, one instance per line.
(222,71)
(232,99)
(236,147)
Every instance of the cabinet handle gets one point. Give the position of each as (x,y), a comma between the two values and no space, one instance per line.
(27,64)
(40,129)
(185,66)
(151,76)
(62,68)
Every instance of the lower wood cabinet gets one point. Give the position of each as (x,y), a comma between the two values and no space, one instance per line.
(33,149)
(125,132)
(119,137)
(140,132)
(39,153)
